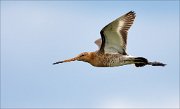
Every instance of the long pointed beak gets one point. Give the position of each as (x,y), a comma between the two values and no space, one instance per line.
(68,60)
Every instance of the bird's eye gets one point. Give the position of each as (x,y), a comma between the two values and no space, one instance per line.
(82,55)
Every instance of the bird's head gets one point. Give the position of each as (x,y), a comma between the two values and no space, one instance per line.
(86,56)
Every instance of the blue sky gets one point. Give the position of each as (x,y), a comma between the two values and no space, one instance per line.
(34,34)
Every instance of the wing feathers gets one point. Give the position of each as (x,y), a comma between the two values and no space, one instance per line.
(114,35)
(98,42)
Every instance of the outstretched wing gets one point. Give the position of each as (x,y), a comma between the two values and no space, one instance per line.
(114,35)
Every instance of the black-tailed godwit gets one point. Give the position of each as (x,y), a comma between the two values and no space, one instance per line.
(112,46)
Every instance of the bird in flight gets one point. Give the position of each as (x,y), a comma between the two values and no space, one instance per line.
(112,46)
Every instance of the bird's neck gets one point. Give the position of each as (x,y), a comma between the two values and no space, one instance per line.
(93,58)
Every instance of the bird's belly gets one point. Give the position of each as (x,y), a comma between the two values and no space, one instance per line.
(116,62)
(111,62)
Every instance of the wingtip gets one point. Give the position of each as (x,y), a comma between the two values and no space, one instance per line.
(133,12)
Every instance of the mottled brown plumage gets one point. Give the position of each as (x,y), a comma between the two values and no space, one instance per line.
(112,46)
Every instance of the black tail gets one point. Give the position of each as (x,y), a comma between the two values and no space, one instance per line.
(140,62)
